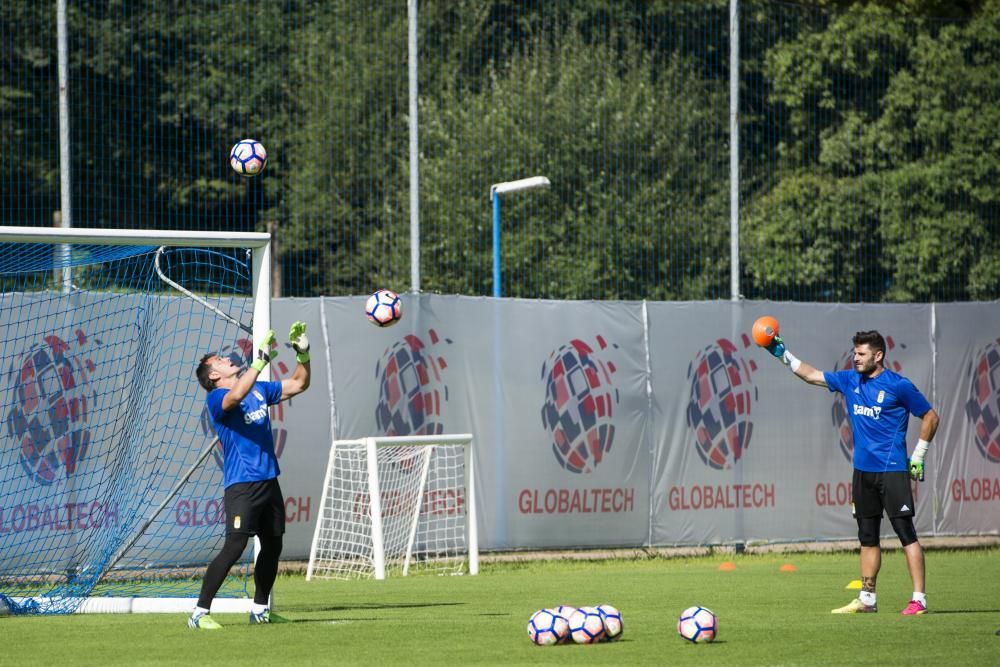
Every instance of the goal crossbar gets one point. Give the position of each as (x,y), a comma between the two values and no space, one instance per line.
(135,237)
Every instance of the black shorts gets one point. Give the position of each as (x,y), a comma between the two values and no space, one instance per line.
(874,492)
(255,508)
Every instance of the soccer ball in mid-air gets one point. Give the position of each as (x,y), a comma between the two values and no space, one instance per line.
(613,625)
(248,157)
(586,626)
(384,308)
(697,625)
(547,627)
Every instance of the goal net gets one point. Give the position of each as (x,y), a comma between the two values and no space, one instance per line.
(397,506)
(110,491)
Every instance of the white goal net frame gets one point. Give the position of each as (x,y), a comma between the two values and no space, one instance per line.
(397,505)
(63,242)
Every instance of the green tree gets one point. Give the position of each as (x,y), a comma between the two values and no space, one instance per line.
(29,114)
(348,222)
(887,119)
(633,191)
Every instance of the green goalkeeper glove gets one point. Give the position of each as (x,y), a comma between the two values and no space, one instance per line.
(917,460)
(298,341)
(777,348)
(266,351)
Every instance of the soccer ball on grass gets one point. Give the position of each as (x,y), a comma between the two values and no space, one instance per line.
(586,626)
(613,625)
(697,625)
(547,627)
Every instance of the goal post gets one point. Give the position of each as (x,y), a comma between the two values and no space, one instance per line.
(397,505)
(110,481)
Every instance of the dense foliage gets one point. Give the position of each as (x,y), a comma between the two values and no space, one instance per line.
(868,141)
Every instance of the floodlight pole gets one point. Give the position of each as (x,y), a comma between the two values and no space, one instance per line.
(62,258)
(497,189)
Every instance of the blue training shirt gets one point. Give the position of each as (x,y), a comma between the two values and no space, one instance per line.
(245,433)
(879,409)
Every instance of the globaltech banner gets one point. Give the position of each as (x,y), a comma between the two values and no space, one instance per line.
(556,398)
(595,424)
(611,423)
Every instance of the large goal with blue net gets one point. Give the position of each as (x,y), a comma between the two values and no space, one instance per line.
(110,489)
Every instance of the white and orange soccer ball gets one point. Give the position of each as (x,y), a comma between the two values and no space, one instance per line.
(384,308)
(547,627)
(613,624)
(248,157)
(565,611)
(698,625)
(586,626)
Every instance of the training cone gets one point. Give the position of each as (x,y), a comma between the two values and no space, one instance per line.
(854,585)
(727,566)
(788,567)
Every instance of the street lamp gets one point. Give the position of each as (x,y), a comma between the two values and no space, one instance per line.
(499,455)
(497,189)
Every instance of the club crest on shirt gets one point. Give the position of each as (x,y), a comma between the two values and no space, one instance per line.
(236,522)
(881,396)
(260,396)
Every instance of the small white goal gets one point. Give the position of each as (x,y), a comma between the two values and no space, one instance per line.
(397,506)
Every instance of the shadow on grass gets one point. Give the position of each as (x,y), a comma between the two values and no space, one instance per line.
(369,606)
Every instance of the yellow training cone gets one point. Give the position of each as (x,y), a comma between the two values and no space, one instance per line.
(854,585)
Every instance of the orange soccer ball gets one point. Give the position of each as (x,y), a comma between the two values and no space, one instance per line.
(764,330)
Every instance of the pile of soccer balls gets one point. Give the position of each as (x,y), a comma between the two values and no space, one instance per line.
(603,623)
(579,625)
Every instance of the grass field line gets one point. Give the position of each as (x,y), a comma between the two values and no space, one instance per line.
(641,553)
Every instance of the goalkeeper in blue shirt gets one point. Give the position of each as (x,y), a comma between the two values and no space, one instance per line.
(238,405)
(879,404)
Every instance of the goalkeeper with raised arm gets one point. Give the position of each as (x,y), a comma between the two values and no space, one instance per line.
(879,403)
(238,404)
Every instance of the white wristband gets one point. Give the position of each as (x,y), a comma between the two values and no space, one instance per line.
(919,451)
(791,360)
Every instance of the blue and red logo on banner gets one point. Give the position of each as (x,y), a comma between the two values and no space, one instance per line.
(722,393)
(53,397)
(983,405)
(580,397)
(412,390)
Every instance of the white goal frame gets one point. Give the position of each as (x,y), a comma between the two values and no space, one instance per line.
(260,246)
(372,445)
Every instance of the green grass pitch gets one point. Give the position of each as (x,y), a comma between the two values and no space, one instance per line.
(766,617)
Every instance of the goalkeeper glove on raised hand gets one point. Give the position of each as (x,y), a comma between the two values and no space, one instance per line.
(298,341)
(266,351)
(917,460)
(778,349)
